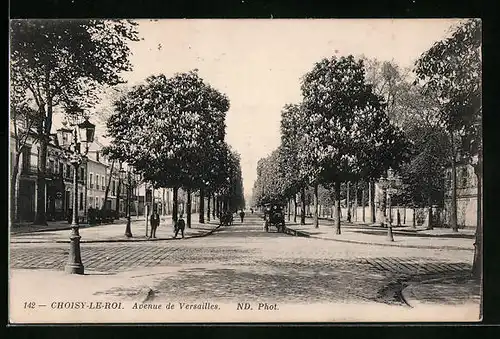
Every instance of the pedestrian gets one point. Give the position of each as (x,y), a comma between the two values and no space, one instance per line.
(251,210)
(242,215)
(155,222)
(179,226)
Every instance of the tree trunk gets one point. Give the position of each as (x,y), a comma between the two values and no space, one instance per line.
(478,244)
(294,208)
(337,208)
(303,206)
(429,214)
(208,207)
(371,198)
(202,206)
(40,217)
(128,231)
(214,208)
(383,205)
(118,192)
(188,208)
(414,218)
(348,200)
(14,190)
(315,208)
(355,209)
(289,207)
(106,192)
(363,202)
(175,204)
(453,212)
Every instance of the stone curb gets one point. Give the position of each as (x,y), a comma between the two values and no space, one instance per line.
(305,234)
(200,235)
(65,228)
(407,292)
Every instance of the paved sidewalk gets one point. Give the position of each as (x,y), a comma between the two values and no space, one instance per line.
(450,290)
(376,235)
(113,232)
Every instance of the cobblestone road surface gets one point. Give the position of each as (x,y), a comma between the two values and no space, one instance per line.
(243,260)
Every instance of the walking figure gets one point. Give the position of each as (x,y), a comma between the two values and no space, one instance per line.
(155,222)
(242,215)
(179,226)
(251,210)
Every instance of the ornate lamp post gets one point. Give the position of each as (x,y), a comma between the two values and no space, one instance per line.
(390,183)
(71,140)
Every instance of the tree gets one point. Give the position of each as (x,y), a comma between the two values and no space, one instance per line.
(347,135)
(292,119)
(170,130)
(23,118)
(270,185)
(66,60)
(451,70)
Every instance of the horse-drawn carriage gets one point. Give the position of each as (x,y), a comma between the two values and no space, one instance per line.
(274,216)
(226,218)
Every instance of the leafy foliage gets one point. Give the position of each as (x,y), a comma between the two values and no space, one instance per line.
(451,70)
(347,135)
(67,60)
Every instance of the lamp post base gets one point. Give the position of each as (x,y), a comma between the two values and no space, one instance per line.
(74,265)
(74,268)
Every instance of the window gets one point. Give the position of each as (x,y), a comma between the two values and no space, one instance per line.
(82,173)
(97,181)
(81,201)
(68,171)
(114,186)
(97,156)
(102,183)
(91,182)
(61,168)
(96,202)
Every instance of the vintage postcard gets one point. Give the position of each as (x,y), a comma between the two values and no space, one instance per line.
(221,171)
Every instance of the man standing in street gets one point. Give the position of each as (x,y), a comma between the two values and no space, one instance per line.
(242,215)
(179,226)
(155,222)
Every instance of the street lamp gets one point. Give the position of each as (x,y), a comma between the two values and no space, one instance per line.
(71,140)
(390,183)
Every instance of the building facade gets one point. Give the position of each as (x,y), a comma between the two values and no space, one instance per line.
(94,176)
(59,181)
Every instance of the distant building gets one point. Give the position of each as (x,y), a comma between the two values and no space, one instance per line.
(59,181)
(97,180)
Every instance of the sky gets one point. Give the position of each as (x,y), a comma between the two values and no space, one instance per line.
(258,63)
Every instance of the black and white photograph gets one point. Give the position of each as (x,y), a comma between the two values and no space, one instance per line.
(245,171)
